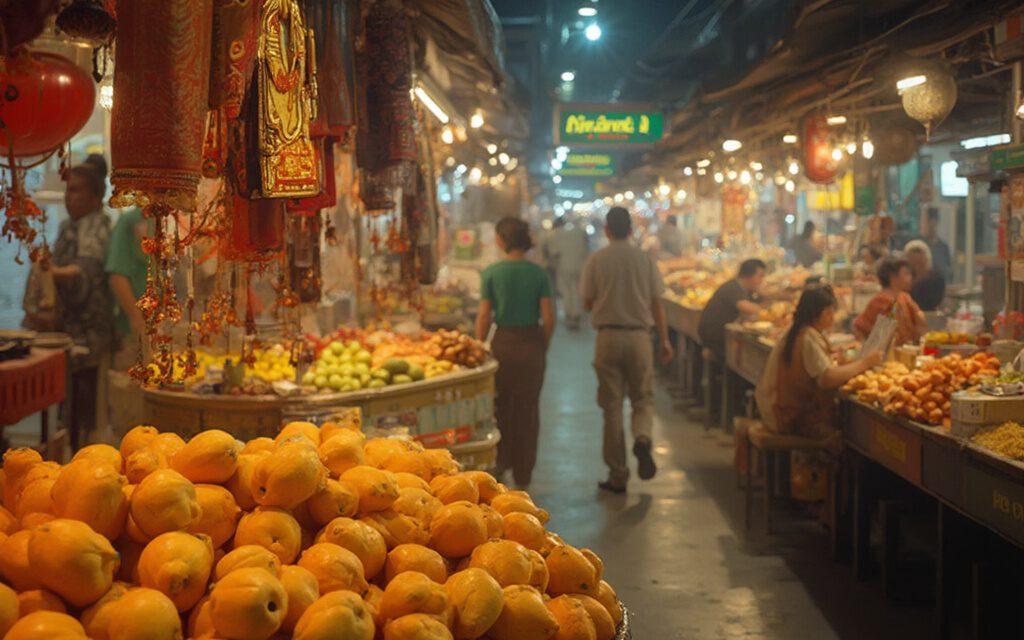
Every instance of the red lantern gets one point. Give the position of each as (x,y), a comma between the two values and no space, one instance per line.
(45,99)
(819,165)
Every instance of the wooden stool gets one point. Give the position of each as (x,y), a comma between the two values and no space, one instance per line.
(768,444)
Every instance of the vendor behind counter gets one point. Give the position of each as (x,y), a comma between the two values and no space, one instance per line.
(896,278)
(734,298)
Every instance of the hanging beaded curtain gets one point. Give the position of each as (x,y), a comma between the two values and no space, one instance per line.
(387,139)
(161,84)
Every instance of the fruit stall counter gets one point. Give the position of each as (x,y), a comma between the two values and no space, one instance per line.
(746,356)
(688,366)
(453,410)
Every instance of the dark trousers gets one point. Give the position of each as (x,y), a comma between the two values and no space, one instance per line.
(521,355)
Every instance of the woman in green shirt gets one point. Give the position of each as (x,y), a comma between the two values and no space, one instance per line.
(515,294)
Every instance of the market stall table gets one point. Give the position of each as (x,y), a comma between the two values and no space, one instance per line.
(746,356)
(32,385)
(684,320)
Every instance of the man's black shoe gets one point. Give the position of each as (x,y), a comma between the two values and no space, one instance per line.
(645,462)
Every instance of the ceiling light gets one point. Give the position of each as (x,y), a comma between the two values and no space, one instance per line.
(702,172)
(790,186)
(503,158)
(703,163)
(732,174)
(447,135)
(834,121)
(681,194)
(1019,111)
(794,168)
(664,189)
(837,154)
(618,198)
(461,169)
(431,105)
(556,179)
(687,171)
(985,141)
(780,179)
(745,177)
(450,162)
(789,138)
(790,218)
(909,82)
(756,166)
(587,12)
(512,164)
(107,96)
(867,148)
(731,145)
(492,148)
(629,195)
(475,174)
(568,76)
(476,120)
(592,32)
(567,204)
(719,178)
(759,176)
(851,148)
(556,164)
(493,162)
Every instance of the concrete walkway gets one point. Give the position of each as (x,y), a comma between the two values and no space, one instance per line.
(674,547)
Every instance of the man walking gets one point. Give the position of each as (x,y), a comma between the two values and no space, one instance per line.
(622,288)
(569,248)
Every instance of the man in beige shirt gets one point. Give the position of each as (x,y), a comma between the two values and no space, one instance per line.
(622,288)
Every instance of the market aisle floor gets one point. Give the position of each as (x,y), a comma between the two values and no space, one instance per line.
(673,546)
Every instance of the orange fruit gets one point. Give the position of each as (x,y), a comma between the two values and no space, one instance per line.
(289,477)
(39,600)
(142,463)
(33,520)
(494,521)
(379,451)
(508,562)
(46,625)
(8,521)
(72,560)
(35,497)
(417,503)
(407,480)
(248,604)
(410,462)
(219,514)
(604,626)
(353,421)
(524,616)
(272,528)
(240,484)
(306,430)
(137,438)
(513,501)
(335,568)
(415,557)
(359,538)
(14,561)
(525,529)
(302,589)
(92,491)
(96,619)
(210,456)
(164,501)
(17,464)
(247,557)
(130,552)
(259,445)
(486,484)
(595,561)
(335,500)
(539,576)
(342,451)
(606,596)
(440,462)
(449,489)
(377,489)
(339,615)
(476,600)
(457,529)
(416,626)
(574,623)
(144,614)
(100,453)
(9,608)
(373,597)
(412,592)
(570,572)
(397,528)
(167,445)
(199,623)
(178,565)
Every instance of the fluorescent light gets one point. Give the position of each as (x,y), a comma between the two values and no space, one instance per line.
(592,32)
(719,178)
(789,138)
(432,106)
(867,148)
(985,141)
(556,179)
(731,145)
(703,164)
(834,121)
(910,82)
(687,171)
(492,148)
(568,76)
(476,120)
(745,177)
(587,12)
(447,135)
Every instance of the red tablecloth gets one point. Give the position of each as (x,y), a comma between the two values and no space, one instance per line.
(29,385)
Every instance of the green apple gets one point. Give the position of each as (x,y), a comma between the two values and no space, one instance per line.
(335,381)
(353,345)
(364,356)
(377,383)
(308,378)
(365,379)
(360,368)
(401,379)
(337,348)
(320,381)
(328,356)
(346,369)
(345,357)
(381,374)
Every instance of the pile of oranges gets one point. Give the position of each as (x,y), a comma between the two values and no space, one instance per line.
(317,534)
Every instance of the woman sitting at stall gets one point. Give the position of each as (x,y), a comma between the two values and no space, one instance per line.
(896,279)
(793,392)
(516,295)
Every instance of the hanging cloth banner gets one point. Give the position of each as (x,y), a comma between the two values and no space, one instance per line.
(332,22)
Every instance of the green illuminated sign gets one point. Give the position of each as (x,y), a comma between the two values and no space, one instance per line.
(588,165)
(1007,158)
(610,125)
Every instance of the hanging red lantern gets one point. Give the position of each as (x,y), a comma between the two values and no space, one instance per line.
(45,99)
(819,165)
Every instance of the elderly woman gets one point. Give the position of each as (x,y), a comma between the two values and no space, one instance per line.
(929,286)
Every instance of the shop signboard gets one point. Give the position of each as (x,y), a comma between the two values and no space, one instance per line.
(588,165)
(894,446)
(608,125)
(995,501)
(1007,158)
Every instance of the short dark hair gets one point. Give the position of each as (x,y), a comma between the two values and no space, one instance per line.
(672,220)
(890,267)
(808,230)
(749,267)
(93,178)
(618,222)
(515,233)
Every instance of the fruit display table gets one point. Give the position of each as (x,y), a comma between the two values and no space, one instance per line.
(454,410)
(689,366)
(746,356)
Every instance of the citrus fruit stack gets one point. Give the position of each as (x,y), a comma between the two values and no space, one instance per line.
(318,534)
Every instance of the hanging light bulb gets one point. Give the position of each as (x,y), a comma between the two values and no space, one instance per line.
(556,179)
(687,171)
(794,168)
(719,178)
(477,119)
(447,135)
(780,179)
(703,163)
(867,148)
(789,138)
(756,166)
(732,174)
(731,145)
(664,190)
(681,195)
(837,154)
(790,186)
(492,148)
(851,148)
(745,177)
(630,195)
(759,176)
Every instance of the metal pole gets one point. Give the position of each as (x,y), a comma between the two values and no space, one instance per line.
(969,239)
(1015,86)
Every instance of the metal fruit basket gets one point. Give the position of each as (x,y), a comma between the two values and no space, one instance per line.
(624,630)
